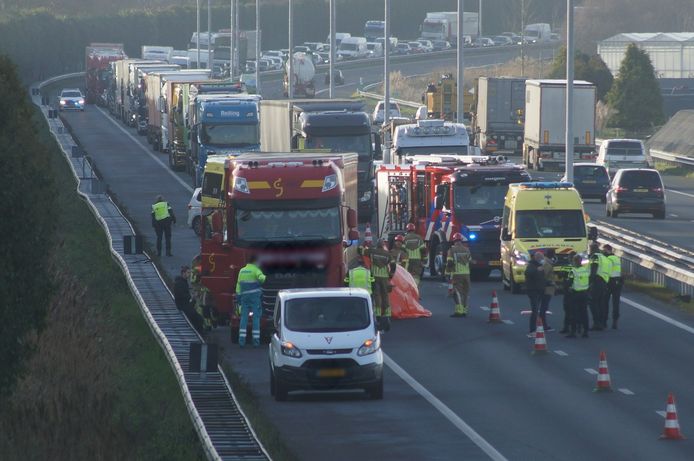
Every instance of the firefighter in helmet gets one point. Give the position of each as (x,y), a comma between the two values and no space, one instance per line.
(382,269)
(398,253)
(458,266)
(416,251)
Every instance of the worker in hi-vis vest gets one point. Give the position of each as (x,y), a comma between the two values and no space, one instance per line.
(248,295)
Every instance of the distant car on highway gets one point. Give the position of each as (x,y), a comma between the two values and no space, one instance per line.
(591,181)
(325,338)
(315,46)
(71,99)
(426,45)
(502,40)
(484,42)
(302,49)
(416,47)
(440,45)
(339,78)
(377,116)
(195,210)
(636,190)
(402,48)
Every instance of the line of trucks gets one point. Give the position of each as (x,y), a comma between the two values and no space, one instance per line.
(289,180)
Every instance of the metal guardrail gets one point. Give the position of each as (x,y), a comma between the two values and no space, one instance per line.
(671,158)
(649,259)
(224,430)
(402,102)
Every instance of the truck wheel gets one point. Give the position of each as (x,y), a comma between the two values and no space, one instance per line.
(196,225)
(375,391)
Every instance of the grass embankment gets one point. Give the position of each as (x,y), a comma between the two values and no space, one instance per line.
(99,385)
(673,170)
(661,294)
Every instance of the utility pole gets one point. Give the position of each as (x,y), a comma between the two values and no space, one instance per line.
(237,64)
(461,65)
(386,81)
(209,35)
(522,38)
(197,35)
(479,19)
(569,142)
(257,46)
(290,58)
(331,72)
(231,40)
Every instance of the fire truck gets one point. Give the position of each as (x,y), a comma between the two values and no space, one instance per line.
(443,195)
(98,58)
(297,214)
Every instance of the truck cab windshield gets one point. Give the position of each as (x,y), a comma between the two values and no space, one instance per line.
(427,150)
(361,144)
(435,27)
(550,224)
(229,135)
(277,226)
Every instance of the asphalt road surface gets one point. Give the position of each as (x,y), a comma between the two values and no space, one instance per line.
(455,388)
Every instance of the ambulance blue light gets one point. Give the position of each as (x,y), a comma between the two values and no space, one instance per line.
(472,236)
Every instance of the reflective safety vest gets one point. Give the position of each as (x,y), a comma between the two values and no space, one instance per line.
(604,267)
(414,245)
(581,278)
(615,266)
(249,280)
(380,259)
(360,277)
(459,257)
(160,210)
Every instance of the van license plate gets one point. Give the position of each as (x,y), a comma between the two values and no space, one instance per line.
(332,373)
(640,190)
(495,263)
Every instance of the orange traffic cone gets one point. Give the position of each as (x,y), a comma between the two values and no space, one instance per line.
(603,384)
(672,424)
(368,238)
(494,312)
(540,341)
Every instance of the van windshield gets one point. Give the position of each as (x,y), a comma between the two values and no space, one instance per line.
(625,148)
(550,224)
(330,314)
(348,46)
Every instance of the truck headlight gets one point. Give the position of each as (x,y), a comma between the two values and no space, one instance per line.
(369,347)
(290,350)
(366,196)
(329,183)
(62,102)
(241,185)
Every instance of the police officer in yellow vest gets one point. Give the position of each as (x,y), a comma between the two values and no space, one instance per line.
(162,217)
(416,250)
(576,288)
(458,266)
(614,286)
(599,277)
(248,295)
(382,269)
(360,277)
(398,253)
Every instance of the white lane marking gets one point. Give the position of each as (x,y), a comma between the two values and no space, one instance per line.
(562,353)
(508,322)
(681,193)
(662,317)
(661,413)
(674,215)
(625,391)
(484,308)
(591,371)
(445,411)
(146,150)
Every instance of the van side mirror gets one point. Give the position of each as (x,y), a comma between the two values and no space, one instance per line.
(352,218)
(505,234)
(592,233)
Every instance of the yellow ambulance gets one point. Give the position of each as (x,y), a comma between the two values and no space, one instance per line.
(213,181)
(538,216)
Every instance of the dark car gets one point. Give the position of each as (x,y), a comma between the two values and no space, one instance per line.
(339,78)
(591,181)
(638,190)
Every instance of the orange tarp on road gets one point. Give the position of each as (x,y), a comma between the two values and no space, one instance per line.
(404,299)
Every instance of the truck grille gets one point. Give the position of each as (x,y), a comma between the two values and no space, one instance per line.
(283,279)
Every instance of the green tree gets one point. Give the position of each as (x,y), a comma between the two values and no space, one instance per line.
(589,68)
(27,210)
(635,95)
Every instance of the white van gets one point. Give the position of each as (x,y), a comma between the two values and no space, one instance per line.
(352,48)
(374,49)
(540,32)
(339,36)
(326,338)
(615,154)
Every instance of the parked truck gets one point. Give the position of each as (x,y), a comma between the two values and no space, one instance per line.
(97,59)
(122,84)
(157,95)
(304,71)
(442,195)
(444,26)
(339,125)
(162,53)
(544,143)
(222,124)
(136,111)
(441,99)
(428,137)
(296,214)
(374,30)
(499,116)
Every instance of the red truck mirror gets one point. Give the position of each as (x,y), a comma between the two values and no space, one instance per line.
(351,218)
(353,235)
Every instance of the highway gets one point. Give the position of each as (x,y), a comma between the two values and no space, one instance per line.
(455,388)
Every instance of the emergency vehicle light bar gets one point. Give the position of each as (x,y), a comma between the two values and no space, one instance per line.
(546,185)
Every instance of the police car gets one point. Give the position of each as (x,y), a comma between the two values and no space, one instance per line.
(326,338)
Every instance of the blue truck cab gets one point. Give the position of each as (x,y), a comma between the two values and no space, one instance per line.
(223,124)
